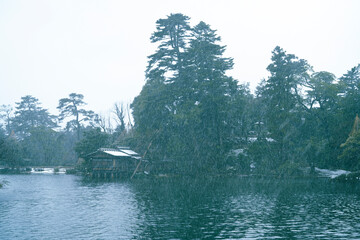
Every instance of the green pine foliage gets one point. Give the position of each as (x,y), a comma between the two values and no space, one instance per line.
(192,116)
(185,107)
(72,107)
(191,112)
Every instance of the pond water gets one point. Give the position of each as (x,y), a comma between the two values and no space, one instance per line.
(48,206)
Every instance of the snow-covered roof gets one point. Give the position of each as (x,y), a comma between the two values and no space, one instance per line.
(119,152)
(254,139)
(129,152)
(116,153)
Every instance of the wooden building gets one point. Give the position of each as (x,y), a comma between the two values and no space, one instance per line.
(109,163)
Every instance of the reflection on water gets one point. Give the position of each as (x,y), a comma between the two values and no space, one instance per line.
(66,207)
(250,209)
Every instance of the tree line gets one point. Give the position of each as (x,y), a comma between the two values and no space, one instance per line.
(197,116)
(30,135)
(191,113)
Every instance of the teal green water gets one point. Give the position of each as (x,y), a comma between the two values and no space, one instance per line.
(67,207)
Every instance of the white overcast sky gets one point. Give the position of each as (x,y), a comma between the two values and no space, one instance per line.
(51,48)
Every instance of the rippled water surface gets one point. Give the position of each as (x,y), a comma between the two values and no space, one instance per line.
(67,207)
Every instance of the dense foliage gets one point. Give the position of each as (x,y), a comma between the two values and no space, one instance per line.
(191,113)
(185,105)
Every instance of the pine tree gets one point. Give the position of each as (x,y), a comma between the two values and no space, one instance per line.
(184,107)
(72,107)
(209,94)
(29,115)
(280,94)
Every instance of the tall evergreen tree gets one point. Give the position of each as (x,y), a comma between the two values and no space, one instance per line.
(184,107)
(351,80)
(171,35)
(210,93)
(350,101)
(281,94)
(72,107)
(321,129)
(155,107)
(29,115)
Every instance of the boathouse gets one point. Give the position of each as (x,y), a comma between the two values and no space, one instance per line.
(110,163)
